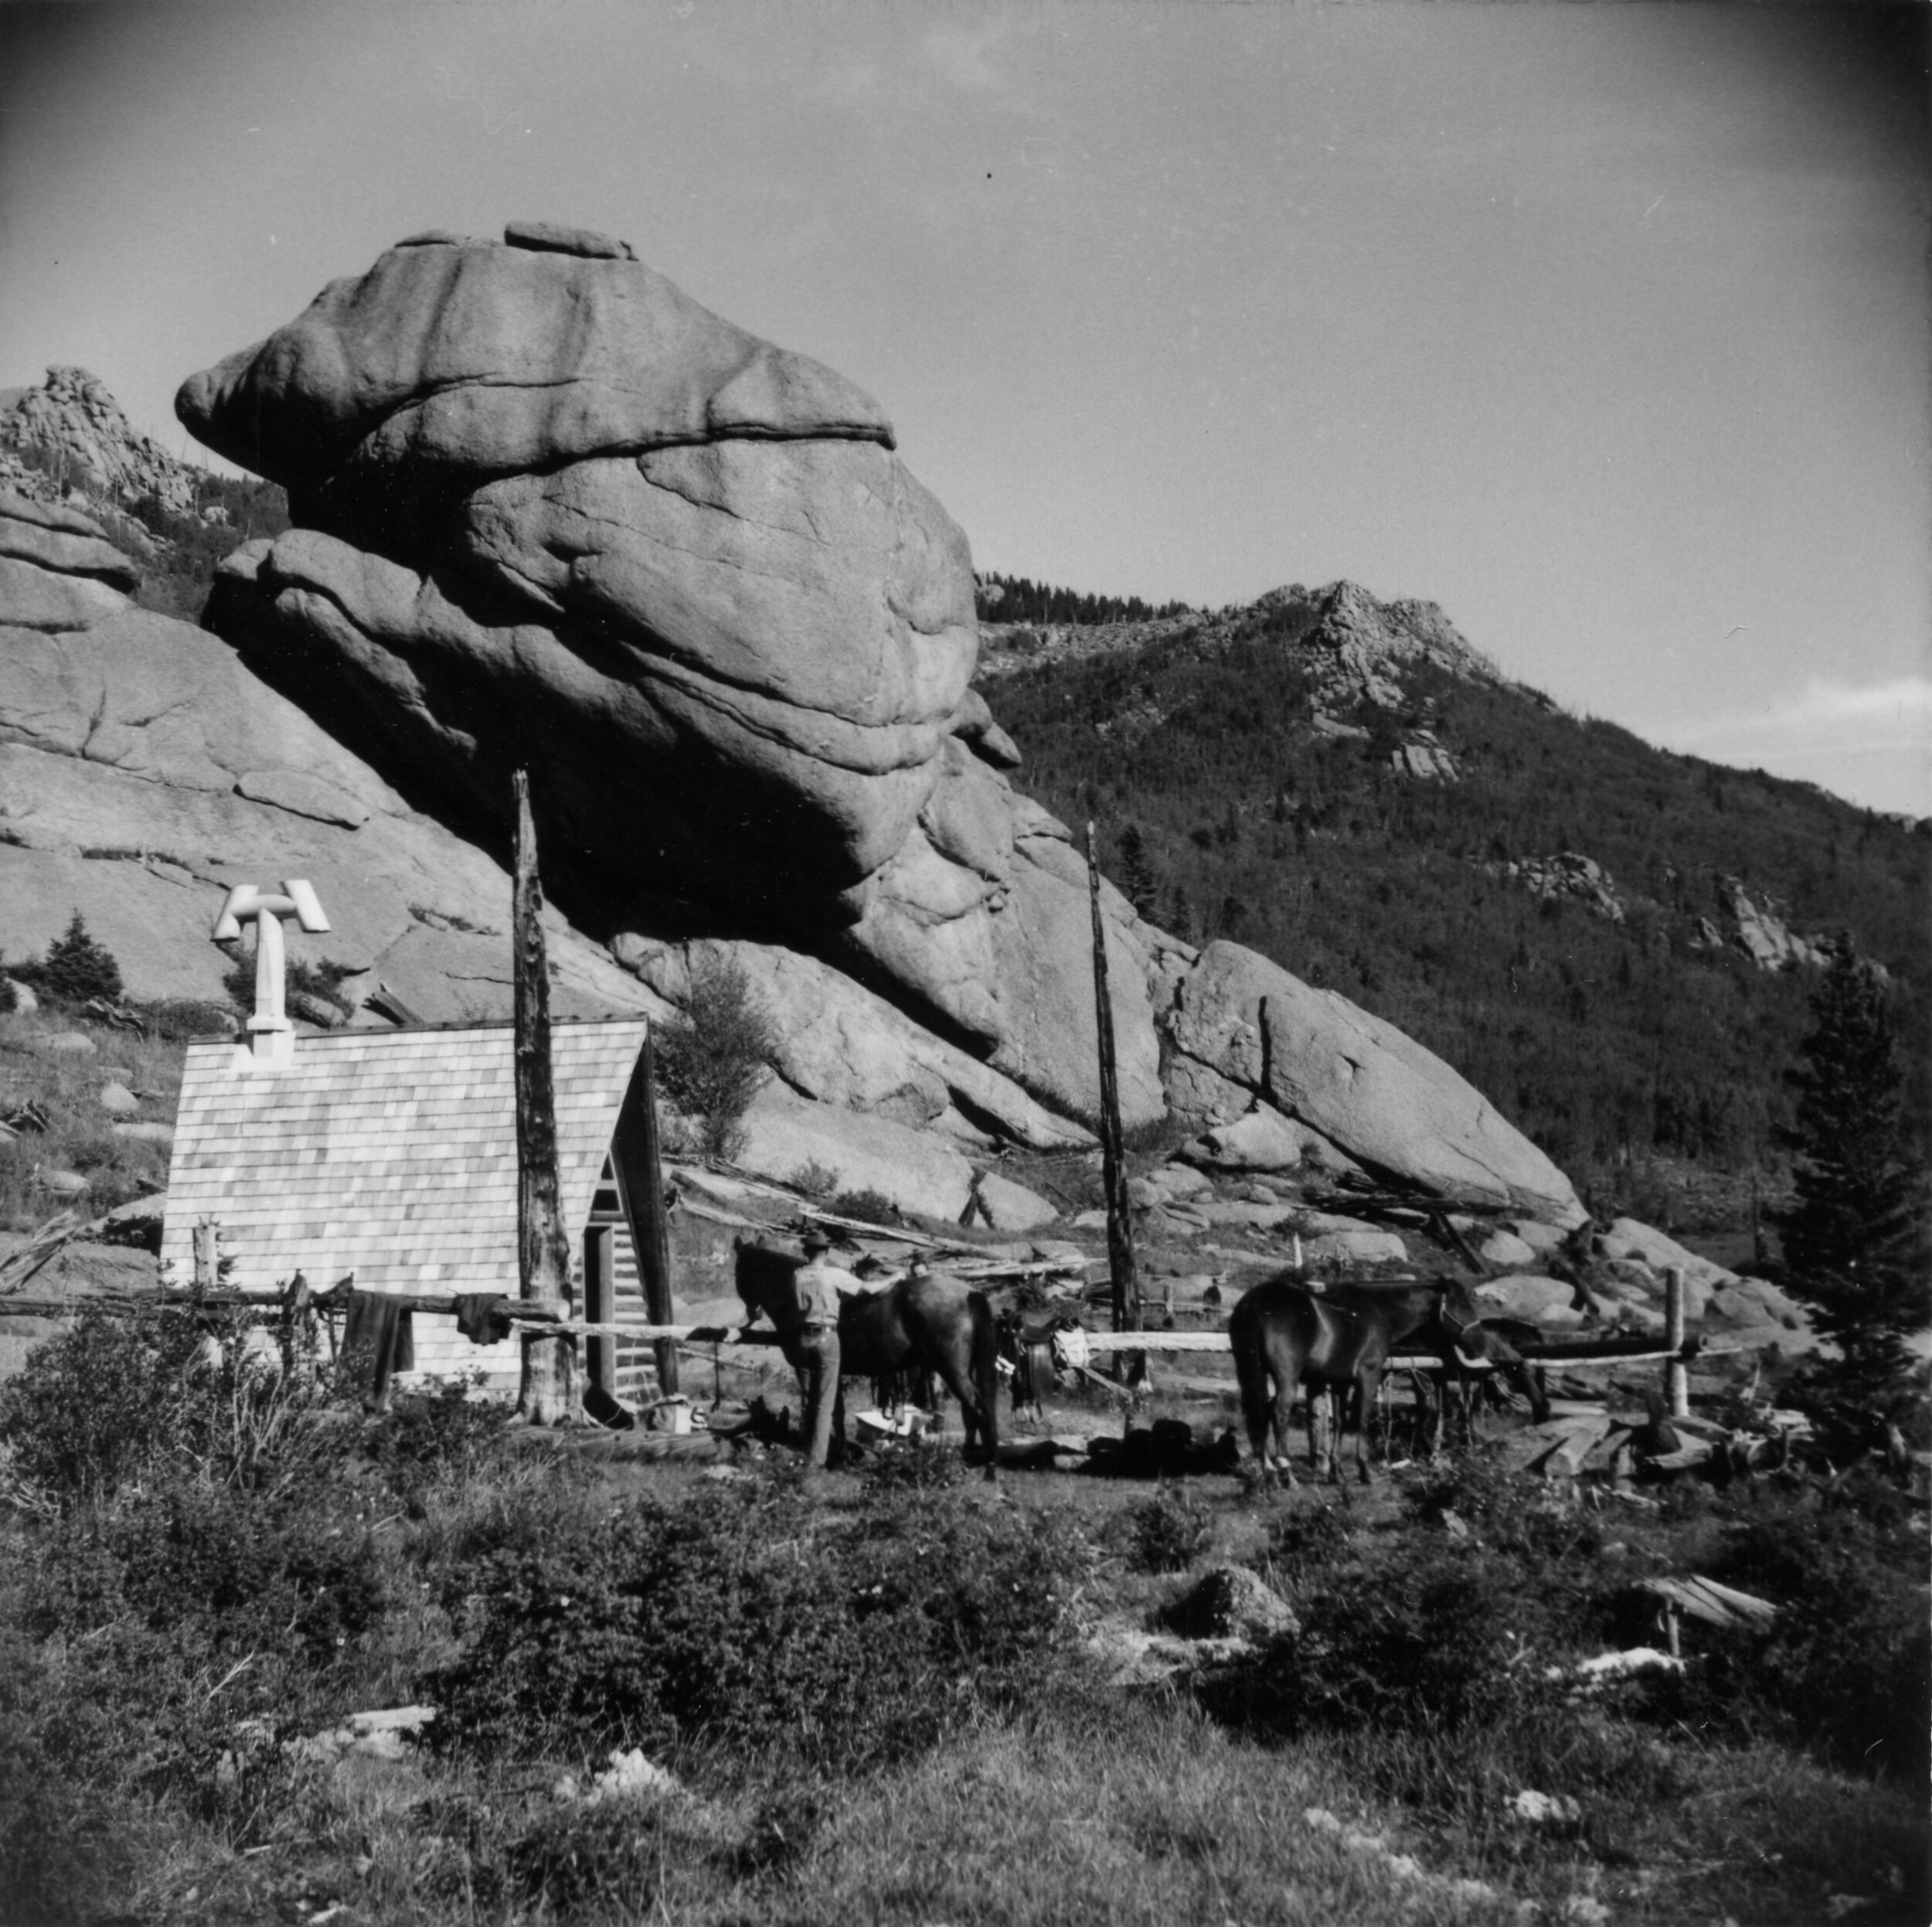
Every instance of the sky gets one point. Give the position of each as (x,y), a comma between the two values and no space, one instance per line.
(1605,326)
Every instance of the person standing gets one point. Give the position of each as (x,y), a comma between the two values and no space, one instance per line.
(810,1341)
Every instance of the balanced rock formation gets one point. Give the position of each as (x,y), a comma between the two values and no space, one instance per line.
(557,514)
(551,512)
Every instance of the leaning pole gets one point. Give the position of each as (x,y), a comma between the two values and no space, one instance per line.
(1120,1225)
(549,1393)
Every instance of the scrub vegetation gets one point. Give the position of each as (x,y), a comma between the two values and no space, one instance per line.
(892,1701)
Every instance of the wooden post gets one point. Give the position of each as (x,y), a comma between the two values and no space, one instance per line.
(548,1396)
(207,1242)
(1676,1373)
(1119,1225)
(636,1159)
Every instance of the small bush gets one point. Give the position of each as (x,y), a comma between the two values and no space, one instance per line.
(873,1207)
(1168,1532)
(711,1058)
(813,1179)
(95,1406)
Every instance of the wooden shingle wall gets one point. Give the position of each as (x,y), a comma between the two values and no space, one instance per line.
(391,1154)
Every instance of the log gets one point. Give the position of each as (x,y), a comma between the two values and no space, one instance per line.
(548,1395)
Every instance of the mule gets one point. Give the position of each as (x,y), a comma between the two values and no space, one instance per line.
(923,1323)
(1528,1380)
(1284,1336)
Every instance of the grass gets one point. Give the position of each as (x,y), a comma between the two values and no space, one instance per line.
(80,1136)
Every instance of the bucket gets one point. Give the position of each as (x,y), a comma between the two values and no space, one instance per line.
(674,1415)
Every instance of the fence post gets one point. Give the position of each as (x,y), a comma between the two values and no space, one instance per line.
(1676,1373)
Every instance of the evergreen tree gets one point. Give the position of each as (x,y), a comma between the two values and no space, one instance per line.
(1139,883)
(1854,1235)
(76,967)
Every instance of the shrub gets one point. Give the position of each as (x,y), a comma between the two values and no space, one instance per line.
(1845,1667)
(225,1572)
(93,1407)
(119,1395)
(873,1207)
(1169,1531)
(77,968)
(710,1058)
(1429,1645)
(739,1618)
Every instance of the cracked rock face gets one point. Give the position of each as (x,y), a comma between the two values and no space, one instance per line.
(1391,1105)
(143,770)
(557,514)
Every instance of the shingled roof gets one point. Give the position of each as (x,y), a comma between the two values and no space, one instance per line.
(389,1153)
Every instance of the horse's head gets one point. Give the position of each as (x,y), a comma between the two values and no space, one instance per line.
(1455,1311)
(762,1276)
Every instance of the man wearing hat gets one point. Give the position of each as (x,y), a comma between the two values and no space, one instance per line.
(810,1340)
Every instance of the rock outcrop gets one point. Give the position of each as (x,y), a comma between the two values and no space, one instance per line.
(1568,876)
(1756,928)
(1393,1106)
(558,514)
(143,770)
(77,438)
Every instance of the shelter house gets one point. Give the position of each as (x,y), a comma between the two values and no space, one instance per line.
(392,1155)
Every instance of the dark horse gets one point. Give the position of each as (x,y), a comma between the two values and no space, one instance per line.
(1283,1335)
(923,1323)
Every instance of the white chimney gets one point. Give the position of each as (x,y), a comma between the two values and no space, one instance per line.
(271,1037)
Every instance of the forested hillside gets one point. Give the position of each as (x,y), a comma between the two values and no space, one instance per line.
(1253,778)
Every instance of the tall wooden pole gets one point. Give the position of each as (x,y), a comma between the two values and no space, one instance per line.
(549,1392)
(1120,1225)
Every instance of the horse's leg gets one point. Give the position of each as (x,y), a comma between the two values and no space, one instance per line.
(1287,1374)
(1368,1381)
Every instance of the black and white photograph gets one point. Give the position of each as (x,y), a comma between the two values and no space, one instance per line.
(965,964)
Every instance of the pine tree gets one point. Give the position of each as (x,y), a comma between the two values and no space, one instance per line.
(76,967)
(1854,1236)
(1139,883)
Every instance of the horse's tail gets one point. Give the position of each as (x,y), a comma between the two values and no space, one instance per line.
(985,1363)
(1251,1372)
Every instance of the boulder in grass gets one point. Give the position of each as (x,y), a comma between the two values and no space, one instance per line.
(70,1043)
(1230,1603)
(118,1100)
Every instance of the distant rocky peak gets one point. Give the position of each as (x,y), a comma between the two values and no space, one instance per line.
(81,441)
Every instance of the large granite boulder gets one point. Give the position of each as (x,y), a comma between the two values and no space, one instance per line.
(143,770)
(559,516)
(1394,1107)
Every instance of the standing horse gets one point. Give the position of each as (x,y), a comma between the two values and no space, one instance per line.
(923,1323)
(1340,1339)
